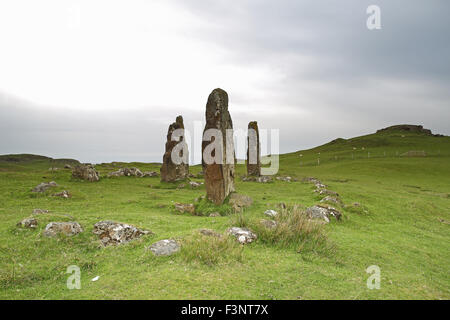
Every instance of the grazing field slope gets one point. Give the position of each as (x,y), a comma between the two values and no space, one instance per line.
(399,181)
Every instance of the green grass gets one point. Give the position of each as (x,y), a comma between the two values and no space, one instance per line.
(397,227)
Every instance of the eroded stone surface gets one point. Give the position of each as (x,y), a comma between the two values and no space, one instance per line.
(63,194)
(219,177)
(165,247)
(67,228)
(243,235)
(253,150)
(239,201)
(171,171)
(42,187)
(323,212)
(28,223)
(115,233)
(185,207)
(85,172)
(260,179)
(209,233)
(271,213)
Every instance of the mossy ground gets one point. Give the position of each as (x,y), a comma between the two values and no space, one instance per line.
(402,227)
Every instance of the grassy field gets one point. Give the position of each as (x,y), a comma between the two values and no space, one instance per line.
(402,226)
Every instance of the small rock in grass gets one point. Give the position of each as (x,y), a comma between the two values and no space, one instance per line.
(243,235)
(164,247)
(44,186)
(271,213)
(269,224)
(114,233)
(332,199)
(323,212)
(194,184)
(215,214)
(28,223)
(67,228)
(210,233)
(185,207)
(63,194)
(40,211)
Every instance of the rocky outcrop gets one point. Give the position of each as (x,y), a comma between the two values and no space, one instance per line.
(115,233)
(127,172)
(253,150)
(218,158)
(171,171)
(260,179)
(67,228)
(408,128)
(85,172)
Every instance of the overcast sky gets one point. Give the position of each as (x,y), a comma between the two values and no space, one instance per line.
(101,81)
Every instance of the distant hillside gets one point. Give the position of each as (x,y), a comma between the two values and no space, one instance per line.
(34,157)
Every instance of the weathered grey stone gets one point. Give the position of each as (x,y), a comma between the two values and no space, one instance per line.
(269,224)
(209,233)
(332,199)
(185,207)
(219,177)
(28,223)
(323,212)
(243,235)
(171,171)
(40,211)
(326,192)
(165,247)
(271,213)
(114,233)
(260,179)
(239,202)
(63,194)
(286,179)
(44,186)
(85,172)
(67,228)
(150,174)
(194,184)
(253,150)
(215,214)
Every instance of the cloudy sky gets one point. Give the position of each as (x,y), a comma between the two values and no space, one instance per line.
(102,80)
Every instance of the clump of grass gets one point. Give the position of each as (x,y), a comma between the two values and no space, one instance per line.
(211,250)
(204,207)
(294,229)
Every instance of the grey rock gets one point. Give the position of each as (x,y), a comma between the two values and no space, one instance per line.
(171,171)
(67,228)
(323,212)
(332,199)
(243,235)
(115,233)
(238,202)
(209,233)
(63,194)
(40,211)
(215,214)
(28,223)
(85,172)
(269,224)
(185,207)
(42,187)
(271,213)
(165,247)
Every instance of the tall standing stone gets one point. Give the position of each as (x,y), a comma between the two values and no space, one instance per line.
(253,151)
(179,170)
(219,177)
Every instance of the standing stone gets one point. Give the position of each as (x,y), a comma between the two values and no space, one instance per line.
(253,151)
(171,171)
(85,172)
(219,177)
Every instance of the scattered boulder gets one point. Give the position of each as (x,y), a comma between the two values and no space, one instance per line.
(165,247)
(215,214)
(128,172)
(326,192)
(85,172)
(219,177)
(209,233)
(194,185)
(150,174)
(185,207)
(67,228)
(40,211)
(63,194)
(332,199)
(115,233)
(311,180)
(253,150)
(243,235)
(44,186)
(28,223)
(269,224)
(323,212)
(171,171)
(286,179)
(239,201)
(260,179)
(271,213)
